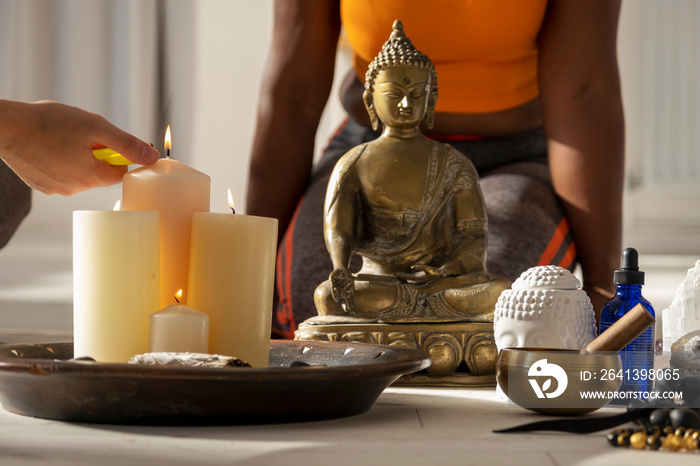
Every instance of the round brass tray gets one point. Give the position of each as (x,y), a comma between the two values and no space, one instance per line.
(342,379)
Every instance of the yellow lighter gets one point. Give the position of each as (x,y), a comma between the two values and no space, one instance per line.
(106,154)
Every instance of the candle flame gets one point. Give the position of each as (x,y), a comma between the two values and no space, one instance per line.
(117,205)
(178,296)
(230,201)
(168,141)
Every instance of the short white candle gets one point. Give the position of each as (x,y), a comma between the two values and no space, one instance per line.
(232,270)
(116,282)
(178,329)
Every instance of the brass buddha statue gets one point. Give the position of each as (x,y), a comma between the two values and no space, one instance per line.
(412,208)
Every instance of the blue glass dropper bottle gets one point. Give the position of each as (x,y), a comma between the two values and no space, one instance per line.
(638,356)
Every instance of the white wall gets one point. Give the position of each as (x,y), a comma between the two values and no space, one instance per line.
(660,68)
(232,43)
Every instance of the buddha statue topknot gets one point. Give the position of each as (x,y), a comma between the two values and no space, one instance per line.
(412,208)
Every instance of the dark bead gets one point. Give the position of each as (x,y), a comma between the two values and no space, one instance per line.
(660,417)
(685,417)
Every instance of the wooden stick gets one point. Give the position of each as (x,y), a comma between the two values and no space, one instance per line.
(622,332)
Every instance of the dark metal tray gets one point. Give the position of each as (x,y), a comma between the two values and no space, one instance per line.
(343,379)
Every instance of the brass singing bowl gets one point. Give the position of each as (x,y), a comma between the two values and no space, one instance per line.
(551,381)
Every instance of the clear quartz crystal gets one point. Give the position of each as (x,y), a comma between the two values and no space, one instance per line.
(683,316)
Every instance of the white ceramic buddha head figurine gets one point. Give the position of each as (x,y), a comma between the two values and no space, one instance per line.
(544,308)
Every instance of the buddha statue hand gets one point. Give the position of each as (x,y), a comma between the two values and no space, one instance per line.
(421,273)
(342,288)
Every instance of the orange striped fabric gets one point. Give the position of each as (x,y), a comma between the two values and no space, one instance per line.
(284,312)
(560,239)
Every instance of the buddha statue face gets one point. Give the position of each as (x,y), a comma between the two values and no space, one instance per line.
(401,96)
(531,333)
(402,81)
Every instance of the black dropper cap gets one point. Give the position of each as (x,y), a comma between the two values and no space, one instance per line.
(629,273)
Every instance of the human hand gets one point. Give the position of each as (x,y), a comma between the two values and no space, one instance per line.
(49,145)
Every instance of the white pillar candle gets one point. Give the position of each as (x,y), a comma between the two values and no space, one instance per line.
(116,282)
(178,329)
(232,270)
(176,191)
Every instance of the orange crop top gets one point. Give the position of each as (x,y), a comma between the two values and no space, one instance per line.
(484,51)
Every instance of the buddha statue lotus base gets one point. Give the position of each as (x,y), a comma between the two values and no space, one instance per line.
(464,353)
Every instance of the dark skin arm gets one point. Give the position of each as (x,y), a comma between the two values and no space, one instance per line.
(583,117)
(296,85)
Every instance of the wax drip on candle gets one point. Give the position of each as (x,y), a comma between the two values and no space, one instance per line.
(117,205)
(230,201)
(177,296)
(168,143)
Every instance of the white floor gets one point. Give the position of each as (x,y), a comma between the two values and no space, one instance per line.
(406,426)
(36,287)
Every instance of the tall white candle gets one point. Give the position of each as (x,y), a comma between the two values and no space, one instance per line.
(116,282)
(232,269)
(176,191)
